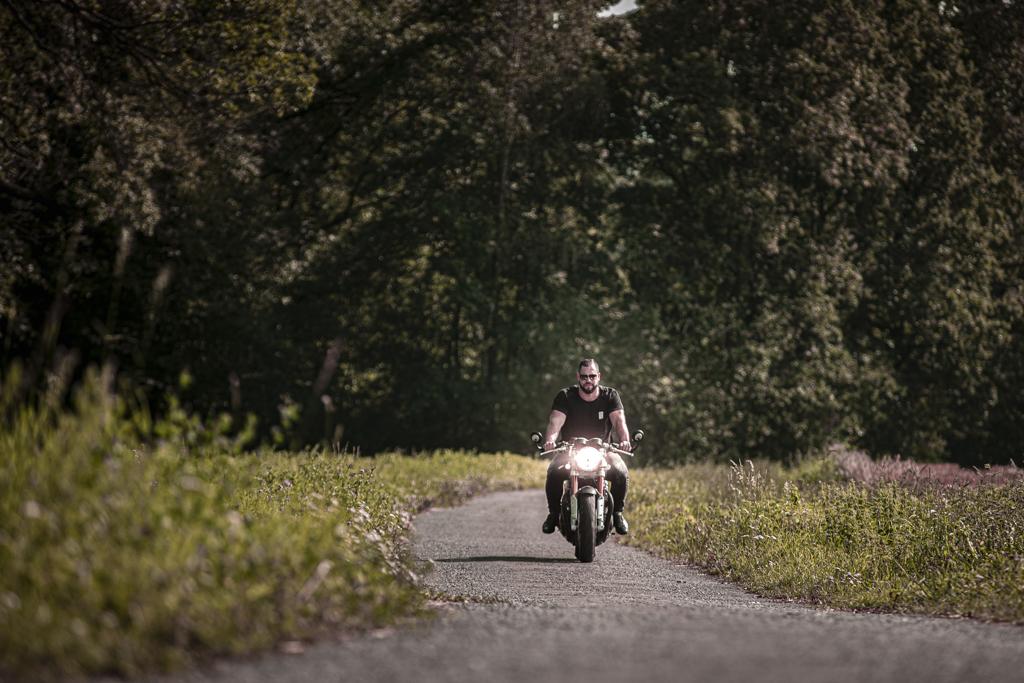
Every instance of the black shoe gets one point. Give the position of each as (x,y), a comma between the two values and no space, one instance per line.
(550,524)
(621,525)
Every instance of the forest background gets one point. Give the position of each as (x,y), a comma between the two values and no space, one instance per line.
(399,224)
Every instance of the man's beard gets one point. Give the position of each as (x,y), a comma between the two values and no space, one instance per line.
(583,387)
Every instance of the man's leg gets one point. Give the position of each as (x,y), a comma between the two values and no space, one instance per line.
(618,476)
(557,474)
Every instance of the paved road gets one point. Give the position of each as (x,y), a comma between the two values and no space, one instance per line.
(540,616)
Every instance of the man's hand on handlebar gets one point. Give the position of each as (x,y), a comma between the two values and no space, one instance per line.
(550,445)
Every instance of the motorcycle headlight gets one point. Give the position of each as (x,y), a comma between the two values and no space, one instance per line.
(587,458)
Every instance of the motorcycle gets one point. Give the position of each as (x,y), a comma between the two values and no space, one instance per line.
(587,504)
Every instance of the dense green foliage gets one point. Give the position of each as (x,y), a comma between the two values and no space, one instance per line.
(117,556)
(400,223)
(803,534)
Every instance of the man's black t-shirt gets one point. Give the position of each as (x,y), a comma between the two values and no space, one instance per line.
(587,419)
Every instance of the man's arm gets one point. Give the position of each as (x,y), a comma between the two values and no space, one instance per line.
(555,421)
(618,418)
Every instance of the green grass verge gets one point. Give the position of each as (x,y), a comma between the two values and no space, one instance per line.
(117,556)
(803,534)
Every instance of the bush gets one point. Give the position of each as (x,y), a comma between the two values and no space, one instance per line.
(120,555)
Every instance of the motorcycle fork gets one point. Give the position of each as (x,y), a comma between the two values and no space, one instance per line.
(574,505)
(600,503)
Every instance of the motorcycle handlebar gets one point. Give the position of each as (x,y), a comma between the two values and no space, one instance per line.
(564,445)
(538,438)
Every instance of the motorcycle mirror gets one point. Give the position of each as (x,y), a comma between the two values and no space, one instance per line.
(536,437)
(638,436)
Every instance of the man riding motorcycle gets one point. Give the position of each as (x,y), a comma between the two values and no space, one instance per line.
(586,410)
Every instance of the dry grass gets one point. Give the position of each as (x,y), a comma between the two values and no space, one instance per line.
(857,466)
(928,547)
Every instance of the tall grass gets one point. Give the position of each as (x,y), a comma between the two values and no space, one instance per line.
(803,534)
(128,545)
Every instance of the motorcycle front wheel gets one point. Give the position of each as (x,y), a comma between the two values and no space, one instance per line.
(586,530)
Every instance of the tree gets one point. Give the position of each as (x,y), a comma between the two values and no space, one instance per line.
(103,108)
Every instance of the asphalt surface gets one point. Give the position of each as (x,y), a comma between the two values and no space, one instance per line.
(538,615)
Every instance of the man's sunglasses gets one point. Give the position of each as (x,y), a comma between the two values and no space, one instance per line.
(590,377)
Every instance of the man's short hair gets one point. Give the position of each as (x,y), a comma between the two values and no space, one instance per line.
(591,362)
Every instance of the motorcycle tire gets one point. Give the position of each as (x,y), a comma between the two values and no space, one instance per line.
(586,530)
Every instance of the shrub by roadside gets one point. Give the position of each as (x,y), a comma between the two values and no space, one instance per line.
(120,556)
(954,550)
